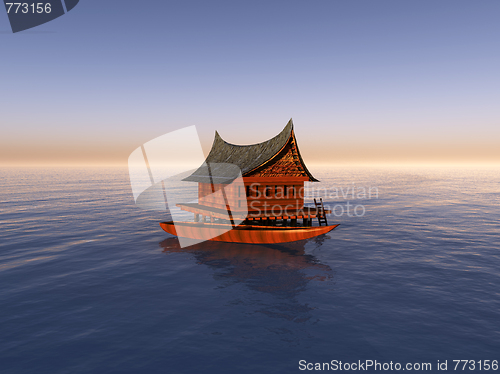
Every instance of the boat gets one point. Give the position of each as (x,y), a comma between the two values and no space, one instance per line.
(249,234)
(251,194)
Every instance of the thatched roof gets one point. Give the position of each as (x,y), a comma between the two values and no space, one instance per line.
(224,156)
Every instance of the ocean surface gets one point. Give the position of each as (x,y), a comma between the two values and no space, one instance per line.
(89,283)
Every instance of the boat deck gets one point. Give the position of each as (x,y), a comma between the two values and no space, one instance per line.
(304,213)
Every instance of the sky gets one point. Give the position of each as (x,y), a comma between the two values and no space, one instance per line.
(373,81)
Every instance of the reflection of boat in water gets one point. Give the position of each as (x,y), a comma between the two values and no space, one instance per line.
(263,202)
(281,271)
(243,233)
(249,258)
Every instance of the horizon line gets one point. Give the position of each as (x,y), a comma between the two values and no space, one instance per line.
(312,164)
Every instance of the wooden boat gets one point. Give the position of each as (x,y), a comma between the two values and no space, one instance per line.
(251,184)
(243,233)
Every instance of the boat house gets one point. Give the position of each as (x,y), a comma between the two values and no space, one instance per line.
(272,192)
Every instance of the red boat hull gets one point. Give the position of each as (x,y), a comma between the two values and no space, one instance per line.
(243,233)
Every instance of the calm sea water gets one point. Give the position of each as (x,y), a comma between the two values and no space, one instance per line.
(89,283)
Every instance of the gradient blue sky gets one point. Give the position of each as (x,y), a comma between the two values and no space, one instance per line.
(365,81)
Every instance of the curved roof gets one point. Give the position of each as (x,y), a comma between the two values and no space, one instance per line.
(246,157)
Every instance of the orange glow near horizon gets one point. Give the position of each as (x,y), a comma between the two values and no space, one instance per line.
(331,148)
